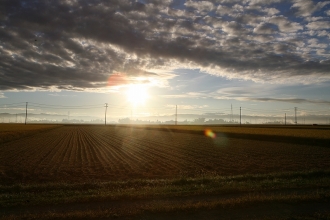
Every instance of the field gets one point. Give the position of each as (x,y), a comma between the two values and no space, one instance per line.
(133,172)
(9,132)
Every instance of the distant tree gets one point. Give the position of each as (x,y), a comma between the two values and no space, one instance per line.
(215,121)
(124,121)
(199,121)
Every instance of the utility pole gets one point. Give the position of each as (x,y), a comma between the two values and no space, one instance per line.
(26,112)
(231,113)
(295,115)
(240,116)
(16,118)
(105,114)
(176,114)
(285,119)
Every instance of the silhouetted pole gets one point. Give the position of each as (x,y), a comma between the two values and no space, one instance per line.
(176,114)
(105,114)
(240,115)
(295,115)
(26,112)
(231,113)
(285,119)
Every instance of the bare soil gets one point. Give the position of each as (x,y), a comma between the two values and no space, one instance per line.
(96,153)
(76,154)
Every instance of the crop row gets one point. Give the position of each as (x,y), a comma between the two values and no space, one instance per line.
(102,153)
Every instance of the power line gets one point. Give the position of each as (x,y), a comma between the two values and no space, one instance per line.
(63,105)
(12,107)
(17,103)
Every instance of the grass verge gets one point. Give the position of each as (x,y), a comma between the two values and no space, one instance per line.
(65,193)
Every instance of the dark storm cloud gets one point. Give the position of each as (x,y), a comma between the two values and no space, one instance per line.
(73,44)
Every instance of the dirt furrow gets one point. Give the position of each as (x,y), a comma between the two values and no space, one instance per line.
(108,153)
(143,159)
(167,156)
(148,158)
(104,146)
(113,157)
(187,158)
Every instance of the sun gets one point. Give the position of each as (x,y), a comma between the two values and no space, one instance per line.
(137,94)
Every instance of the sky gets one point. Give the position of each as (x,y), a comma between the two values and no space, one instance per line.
(146,58)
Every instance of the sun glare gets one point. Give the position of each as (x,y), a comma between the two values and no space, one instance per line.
(137,94)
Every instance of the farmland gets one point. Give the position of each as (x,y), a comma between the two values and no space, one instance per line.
(9,132)
(92,164)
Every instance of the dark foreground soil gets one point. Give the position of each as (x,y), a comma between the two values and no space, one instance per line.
(222,206)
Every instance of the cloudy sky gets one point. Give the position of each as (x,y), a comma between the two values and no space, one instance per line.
(204,56)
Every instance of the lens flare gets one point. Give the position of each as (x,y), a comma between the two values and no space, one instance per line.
(209,133)
(117,79)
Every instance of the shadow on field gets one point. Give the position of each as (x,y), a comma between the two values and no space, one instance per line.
(260,137)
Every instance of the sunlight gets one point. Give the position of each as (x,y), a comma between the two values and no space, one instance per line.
(137,94)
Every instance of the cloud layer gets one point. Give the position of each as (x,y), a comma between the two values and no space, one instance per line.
(78,45)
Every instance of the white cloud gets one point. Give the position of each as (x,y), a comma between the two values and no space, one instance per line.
(271,11)
(186,107)
(263,2)
(2,95)
(263,28)
(285,25)
(200,5)
(238,8)
(321,52)
(307,7)
(309,19)
(314,43)
(233,28)
(318,25)
(223,10)
(290,100)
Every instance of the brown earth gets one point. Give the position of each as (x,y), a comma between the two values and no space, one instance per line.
(108,153)
(90,153)
(10,132)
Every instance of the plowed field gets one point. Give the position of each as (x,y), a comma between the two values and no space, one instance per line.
(103,153)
